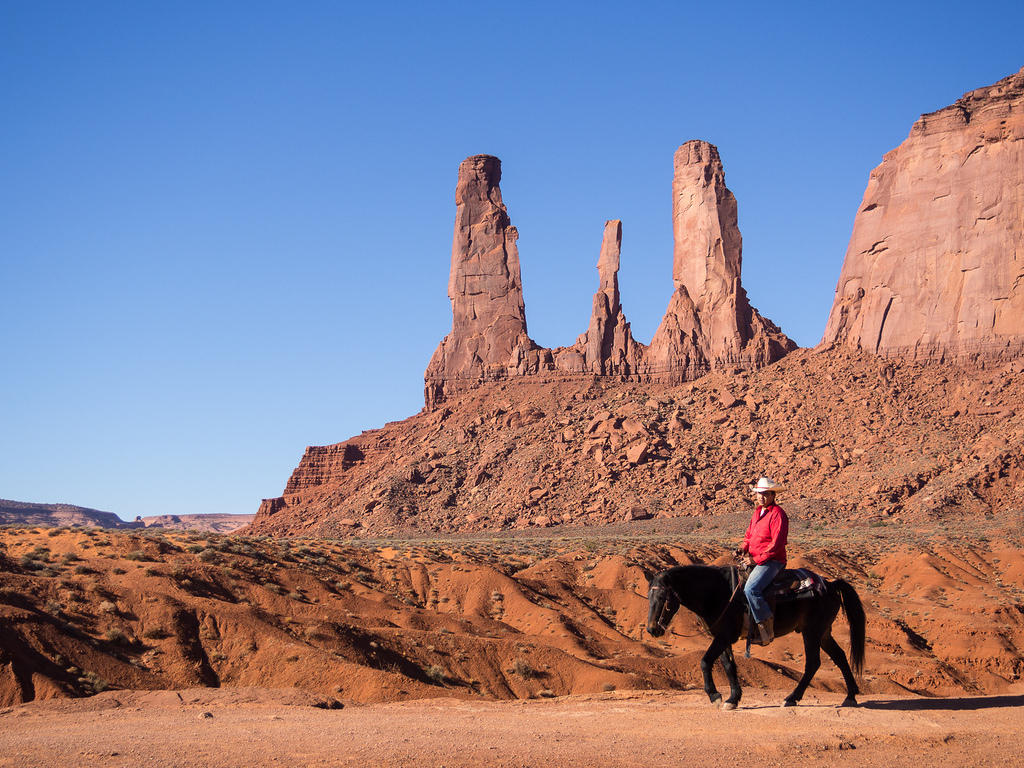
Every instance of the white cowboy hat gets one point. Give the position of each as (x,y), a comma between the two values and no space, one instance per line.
(764,485)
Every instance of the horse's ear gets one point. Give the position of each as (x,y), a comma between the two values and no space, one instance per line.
(649,575)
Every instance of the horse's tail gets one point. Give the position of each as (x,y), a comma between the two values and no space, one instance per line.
(855,616)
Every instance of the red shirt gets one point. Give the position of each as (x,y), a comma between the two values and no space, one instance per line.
(767,534)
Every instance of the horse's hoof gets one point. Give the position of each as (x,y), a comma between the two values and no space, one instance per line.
(715,697)
(789,703)
(849,701)
(729,706)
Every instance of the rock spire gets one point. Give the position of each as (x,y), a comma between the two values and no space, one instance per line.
(488,339)
(709,322)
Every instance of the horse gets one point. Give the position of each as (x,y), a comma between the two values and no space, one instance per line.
(706,591)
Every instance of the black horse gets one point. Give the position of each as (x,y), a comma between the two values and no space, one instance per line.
(706,591)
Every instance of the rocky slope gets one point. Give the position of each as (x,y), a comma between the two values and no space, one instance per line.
(851,435)
(935,266)
(709,322)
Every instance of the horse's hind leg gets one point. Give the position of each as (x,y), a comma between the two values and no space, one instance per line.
(735,692)
(707,662)
(831,647)
(812,660)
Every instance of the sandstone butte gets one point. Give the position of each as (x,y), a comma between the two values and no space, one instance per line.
(935,266)
(607,429)
(709,322)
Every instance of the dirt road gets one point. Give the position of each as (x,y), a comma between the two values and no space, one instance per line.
(253,727)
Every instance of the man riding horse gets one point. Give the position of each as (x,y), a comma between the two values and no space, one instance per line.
(764,547)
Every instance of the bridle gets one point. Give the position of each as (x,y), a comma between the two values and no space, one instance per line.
(664,616)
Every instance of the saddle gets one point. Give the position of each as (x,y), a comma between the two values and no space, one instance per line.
(790,584)
(795,584)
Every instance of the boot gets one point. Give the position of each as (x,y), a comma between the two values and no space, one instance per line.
(767,629)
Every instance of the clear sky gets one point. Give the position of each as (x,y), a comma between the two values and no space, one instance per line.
(225,227)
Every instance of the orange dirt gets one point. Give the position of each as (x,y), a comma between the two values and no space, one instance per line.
(485,618)
(227,728)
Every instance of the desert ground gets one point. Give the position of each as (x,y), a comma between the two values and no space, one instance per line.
(259,727)
(120,647)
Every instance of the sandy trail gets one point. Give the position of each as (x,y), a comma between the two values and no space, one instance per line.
(253,727)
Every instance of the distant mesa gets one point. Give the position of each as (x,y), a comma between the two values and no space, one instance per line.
(709,322)
(69,515)
(935,266)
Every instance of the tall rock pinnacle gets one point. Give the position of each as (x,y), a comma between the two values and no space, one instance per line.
(709,321)
(488,339)
(935,265)
(608,345)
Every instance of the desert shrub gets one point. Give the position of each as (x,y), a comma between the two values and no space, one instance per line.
(53,607)
(118,571)
(70,557)
(208,555)
(30,563)
(195,548)
(97,683)
(277,589)
(296,596)
(435,673)
(82,570)
(524,670)
(108,607)
(156,633)
(137,554)
(54,532)
(153,572)
(115,635)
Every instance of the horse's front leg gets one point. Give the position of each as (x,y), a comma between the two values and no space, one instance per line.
(707,663)
(735,692)
(812,660)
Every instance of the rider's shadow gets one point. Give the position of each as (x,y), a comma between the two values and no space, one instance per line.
(965,703)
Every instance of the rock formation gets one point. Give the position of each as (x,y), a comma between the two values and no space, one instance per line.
(935,265)
(608,347)
(488,340)
(709,322)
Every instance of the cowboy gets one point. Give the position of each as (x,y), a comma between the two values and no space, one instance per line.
(764,547)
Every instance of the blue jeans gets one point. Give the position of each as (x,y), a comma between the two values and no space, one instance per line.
(757,582)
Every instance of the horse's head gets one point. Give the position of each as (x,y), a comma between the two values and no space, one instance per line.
(662,605)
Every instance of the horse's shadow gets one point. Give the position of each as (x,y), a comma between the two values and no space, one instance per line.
(963,704)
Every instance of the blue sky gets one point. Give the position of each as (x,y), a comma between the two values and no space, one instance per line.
(225,228)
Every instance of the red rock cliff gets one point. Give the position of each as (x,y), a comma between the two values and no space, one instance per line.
(935,265)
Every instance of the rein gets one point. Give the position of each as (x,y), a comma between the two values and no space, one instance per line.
(737,584)
(662,622)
